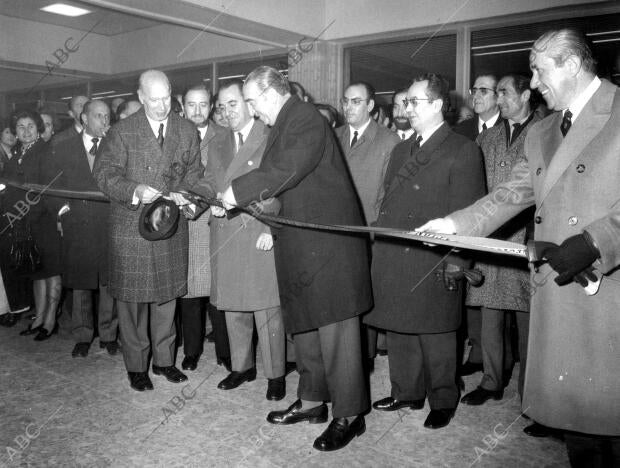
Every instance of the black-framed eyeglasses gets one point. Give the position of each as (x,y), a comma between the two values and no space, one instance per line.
(483,91)
(354,101)
(415,101)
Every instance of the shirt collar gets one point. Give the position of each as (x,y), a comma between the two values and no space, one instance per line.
(429,133)
(203,131)
(156,123)
(407,133)
(580,101)
(360,131)
(88,140)
(490,122)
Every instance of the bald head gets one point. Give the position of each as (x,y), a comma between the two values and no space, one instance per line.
(154,94)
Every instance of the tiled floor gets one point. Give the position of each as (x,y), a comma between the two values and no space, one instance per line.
(59,411)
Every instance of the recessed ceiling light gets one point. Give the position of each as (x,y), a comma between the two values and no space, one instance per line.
(65,10)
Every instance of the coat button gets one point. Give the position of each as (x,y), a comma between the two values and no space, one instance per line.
(538,171)
(538,220)
(572,220)
(502,163)
(416,187)
(382,212)
(581,168)
(407,249)
(250,163)
(409,216)
(149,168)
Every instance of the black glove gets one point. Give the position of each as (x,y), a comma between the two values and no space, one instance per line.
(571,258)
(452,274)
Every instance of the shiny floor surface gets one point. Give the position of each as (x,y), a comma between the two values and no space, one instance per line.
(56,410)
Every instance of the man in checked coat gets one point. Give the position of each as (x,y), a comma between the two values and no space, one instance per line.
(147,155)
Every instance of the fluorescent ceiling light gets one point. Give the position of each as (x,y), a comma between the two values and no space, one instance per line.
(65,10)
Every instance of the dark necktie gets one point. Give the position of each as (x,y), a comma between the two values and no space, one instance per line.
(566,122)
(402,136)
(354,140)
(199,136)
(484,126)
(160,135)
(93,149)
(240,141)
(515,132)
(417,141)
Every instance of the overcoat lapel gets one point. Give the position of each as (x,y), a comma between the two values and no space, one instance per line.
(590,122)
(245,153)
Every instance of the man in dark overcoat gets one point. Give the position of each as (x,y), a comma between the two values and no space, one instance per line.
(415,300)
(84,231)
(147,155)
(323,277)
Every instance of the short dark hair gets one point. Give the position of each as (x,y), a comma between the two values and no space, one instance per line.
(370,90)
(438,88)
(331,111)
(236,82)
(397,92)
(559,44)
(298,90)
(266,77)
(197,87)
(27,114)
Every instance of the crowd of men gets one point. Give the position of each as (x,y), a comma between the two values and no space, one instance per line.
(329,301)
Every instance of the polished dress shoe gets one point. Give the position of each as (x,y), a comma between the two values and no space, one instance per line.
(480,395)
(140,381)
(8,319)
(190,362)
(276,389)
(438,418)
(171,373)
(339,433)
(110,346)
(225,361)
(294,414)
(391,404)
(235,379)
(470,368)
(30,330)
(46,335)
(80,349)
(538,430)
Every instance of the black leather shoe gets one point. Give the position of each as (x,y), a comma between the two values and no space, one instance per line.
(339,433)
(110,346)
(470,368)
(46,335)
(210,337)
(30,330)
(276,389)
(438,418)
(480,395)
(294,414)
(140,381)
(538,430)
(8,320)
(190,362)
(235,379)
(80,349)
(390,404)
(225,362)
(289,367)
(171,373)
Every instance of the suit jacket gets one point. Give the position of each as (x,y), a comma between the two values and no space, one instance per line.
(67,133)
(506,279)
(323,277)
(368,160)
(141,270)
(573,182)
(244,278)
(85,240)
(469,127)
(420,184)
(199,258)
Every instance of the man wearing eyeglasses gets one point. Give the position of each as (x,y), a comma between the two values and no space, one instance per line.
(484,100)
(483,95)
(367,147)
(418,299)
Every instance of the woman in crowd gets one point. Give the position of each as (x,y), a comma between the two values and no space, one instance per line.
(7,141)
(26,217)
